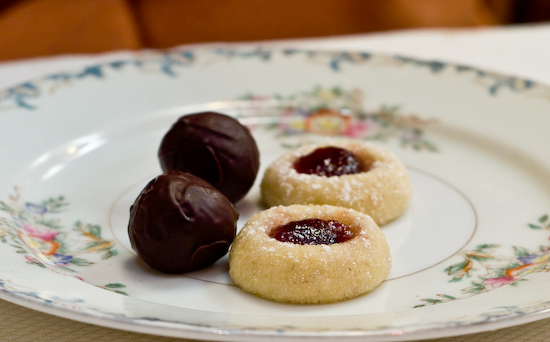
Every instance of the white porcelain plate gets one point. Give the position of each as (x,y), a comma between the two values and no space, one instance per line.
(470,254)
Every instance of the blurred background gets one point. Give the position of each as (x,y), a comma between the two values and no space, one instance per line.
(34,28)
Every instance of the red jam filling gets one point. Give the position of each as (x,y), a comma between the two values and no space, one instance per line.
(328,162)
(313,232)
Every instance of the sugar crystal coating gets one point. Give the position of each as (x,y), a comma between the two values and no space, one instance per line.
(383,192)
(289,272)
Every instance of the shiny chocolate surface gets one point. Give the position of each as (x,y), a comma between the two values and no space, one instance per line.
(215,147)
(181,223)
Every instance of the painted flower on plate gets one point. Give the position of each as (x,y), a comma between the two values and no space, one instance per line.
(339,112)
(61,260)
(45,247)
(495,283)
(327,122)
(34,208)
(39,231)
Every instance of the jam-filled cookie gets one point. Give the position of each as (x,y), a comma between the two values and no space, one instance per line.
(309,254)
(347,173)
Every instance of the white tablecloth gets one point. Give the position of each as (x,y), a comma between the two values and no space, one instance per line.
(518,50)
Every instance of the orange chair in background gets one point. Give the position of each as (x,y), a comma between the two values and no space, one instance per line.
(31,28)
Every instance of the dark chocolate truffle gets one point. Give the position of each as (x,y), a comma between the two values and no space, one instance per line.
(214,147)
(181,223)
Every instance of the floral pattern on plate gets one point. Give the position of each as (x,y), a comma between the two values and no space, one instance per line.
(340,112)
(170,63)
(35,233)
(492,270)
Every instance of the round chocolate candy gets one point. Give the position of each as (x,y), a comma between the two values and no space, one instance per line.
(181,223)
(214,147)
